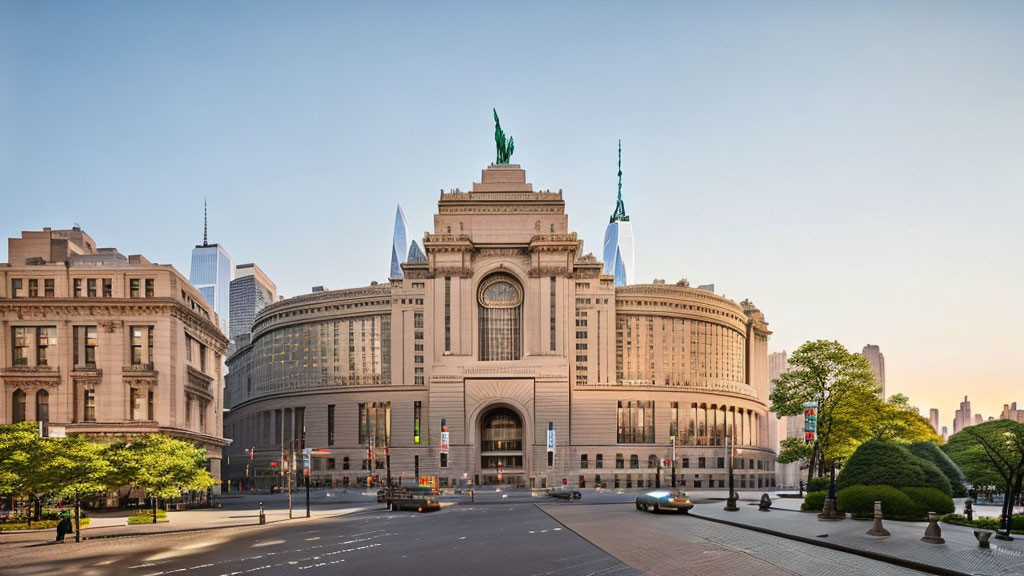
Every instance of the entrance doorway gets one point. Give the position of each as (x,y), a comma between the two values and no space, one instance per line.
(501,447)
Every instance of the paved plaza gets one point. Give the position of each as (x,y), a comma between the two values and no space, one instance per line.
(497,533)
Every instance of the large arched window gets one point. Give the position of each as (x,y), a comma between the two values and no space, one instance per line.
(500,301)
(18,406)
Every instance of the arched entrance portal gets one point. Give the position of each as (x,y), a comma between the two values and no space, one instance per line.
(501,447)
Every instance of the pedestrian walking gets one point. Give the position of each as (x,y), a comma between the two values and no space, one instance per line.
(64,526)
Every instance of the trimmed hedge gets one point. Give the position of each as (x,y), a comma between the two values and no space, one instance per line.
(859,501)
(930,500)
(818,484)
(932,453)
(814,500)
(147,517)
(37,525)
(985,522)
(880,463)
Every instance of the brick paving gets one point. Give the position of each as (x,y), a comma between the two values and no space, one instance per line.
(960,552)
(671,544)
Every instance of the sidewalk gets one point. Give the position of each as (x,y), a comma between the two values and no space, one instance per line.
(188,520)
(959,554)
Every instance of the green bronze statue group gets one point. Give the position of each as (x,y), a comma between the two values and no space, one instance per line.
(505,147)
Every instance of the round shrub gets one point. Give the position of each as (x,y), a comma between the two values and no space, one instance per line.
(932,453)
(930,500)
(859,501)
(877,462)
(814,501)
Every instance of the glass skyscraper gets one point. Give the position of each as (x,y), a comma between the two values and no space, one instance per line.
(399,243)
(211,274)
(618,241)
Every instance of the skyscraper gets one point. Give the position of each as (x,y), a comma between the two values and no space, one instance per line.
(877,360)
(618,241)
(962,417)
(1010,412)
(787,426)
(251,292)
(399,243)
(933,419)
(211,273)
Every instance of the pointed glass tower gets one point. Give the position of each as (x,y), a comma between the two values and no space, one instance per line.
(618,240)
(399,243)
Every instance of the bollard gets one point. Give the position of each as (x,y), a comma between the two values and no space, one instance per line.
(969,510)
(766,503)
(263,517)
(933,534)
(877,529)
(982,536)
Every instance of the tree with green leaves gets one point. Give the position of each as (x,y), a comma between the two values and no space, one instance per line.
(75,468)
(163,466)
(20,459)
(992,453)
(827,373)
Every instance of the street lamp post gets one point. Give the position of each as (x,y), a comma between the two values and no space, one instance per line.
(730,502)
(673,461)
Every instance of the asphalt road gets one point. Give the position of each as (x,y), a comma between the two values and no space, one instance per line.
(490,538)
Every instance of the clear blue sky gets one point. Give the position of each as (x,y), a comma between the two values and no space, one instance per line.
(856,169)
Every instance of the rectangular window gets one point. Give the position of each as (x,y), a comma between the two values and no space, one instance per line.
(149,405)
(673,423)
(330,424)
(20,337)
(91,287)
(620,462)
(721,462)
(150,288)
(553,339)
(202,416)
(188,348)
(375,423)
(599,461)
(45,338)
(89,405)
(85,346)
(584,464)
(141,337)
(635,422)
(202,357)
(134,289)
(447,313)
(417,413)
(17,288)
(48,287)
(134,404)
(108,288)
(33,288)
(686,463)
(77,283)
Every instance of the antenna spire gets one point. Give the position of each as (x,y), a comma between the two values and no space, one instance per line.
(620,208)
(204,223)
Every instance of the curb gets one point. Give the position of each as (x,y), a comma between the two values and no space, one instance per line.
(913,565)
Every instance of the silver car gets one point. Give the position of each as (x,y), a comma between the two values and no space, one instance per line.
(668,499)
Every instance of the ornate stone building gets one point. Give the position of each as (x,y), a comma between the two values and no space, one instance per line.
(98,343)
(505,352)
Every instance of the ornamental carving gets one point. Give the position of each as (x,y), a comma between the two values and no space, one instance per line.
(457,271)
(543,271)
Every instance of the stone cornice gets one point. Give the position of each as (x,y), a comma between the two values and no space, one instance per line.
(55,309)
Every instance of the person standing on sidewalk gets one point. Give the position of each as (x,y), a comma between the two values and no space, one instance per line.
(64,526)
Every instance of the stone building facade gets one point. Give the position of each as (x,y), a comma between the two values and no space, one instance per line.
(102,344)
(505,356)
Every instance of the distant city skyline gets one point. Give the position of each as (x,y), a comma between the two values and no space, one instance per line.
(854,172)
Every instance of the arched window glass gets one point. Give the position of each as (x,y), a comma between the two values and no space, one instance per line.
(43,406)
(500,301)
(18,406)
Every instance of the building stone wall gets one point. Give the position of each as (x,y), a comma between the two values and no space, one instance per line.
(504,331)
(100,329)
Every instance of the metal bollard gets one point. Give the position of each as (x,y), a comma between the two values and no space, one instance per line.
(933,534)
(982,536)
(263,517)
(877,529)
(969,510)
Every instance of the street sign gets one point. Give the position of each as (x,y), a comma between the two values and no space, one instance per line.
(444,441)
(306,456)
(57,431)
